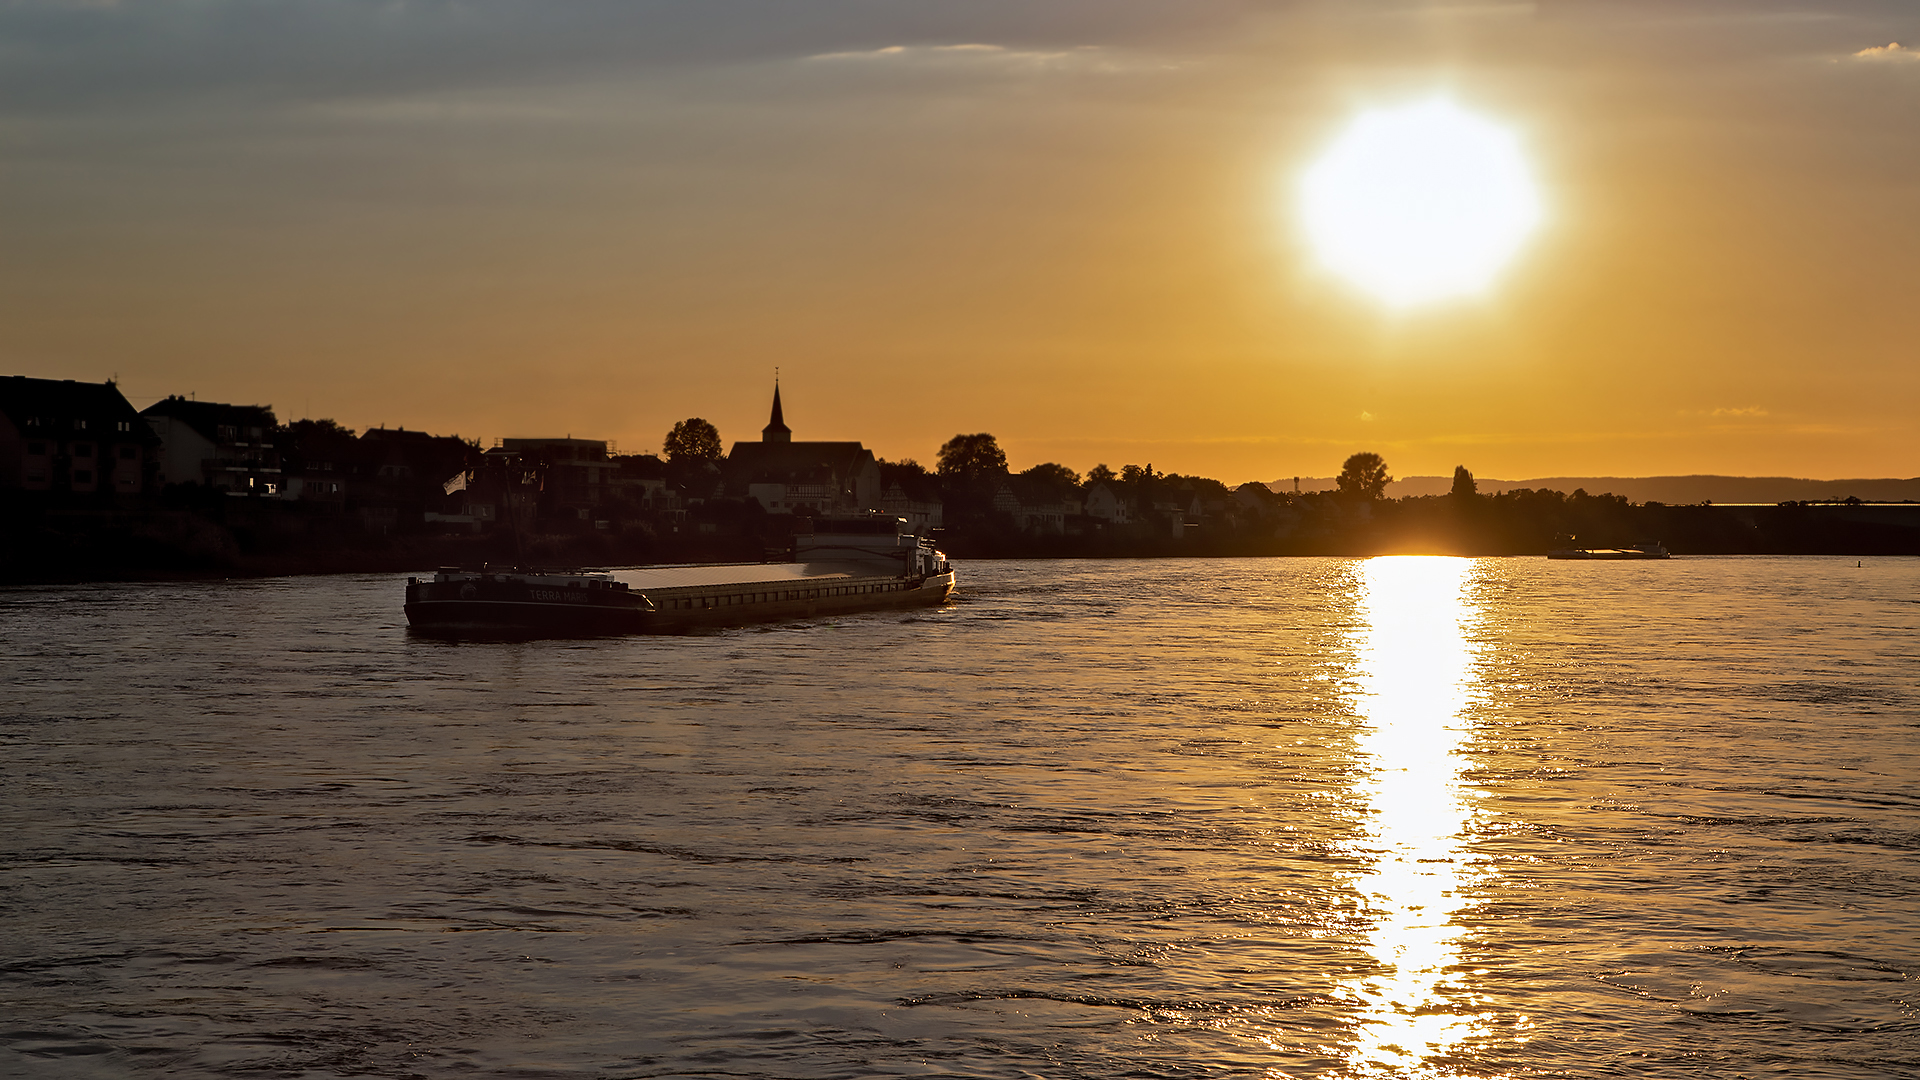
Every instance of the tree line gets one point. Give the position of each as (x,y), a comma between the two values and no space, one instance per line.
(1355,517)
(189,530)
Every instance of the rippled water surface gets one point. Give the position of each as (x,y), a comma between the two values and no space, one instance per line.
(1397,817)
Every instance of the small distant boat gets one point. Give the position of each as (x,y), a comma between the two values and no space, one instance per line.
(1646,549)
(843,565)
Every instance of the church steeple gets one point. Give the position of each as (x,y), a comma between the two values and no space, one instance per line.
(776,429)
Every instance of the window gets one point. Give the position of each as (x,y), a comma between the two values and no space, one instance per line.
(126,425)
(83,476)
(79,425)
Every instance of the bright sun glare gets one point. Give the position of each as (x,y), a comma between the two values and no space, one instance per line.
(1420,203)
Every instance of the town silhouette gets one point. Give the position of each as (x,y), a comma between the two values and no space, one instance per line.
(95,489)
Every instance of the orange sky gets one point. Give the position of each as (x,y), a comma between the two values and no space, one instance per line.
(1065,223)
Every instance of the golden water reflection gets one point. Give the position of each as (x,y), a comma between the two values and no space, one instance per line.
(1414,678)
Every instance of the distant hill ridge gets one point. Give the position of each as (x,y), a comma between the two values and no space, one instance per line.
(1666,489)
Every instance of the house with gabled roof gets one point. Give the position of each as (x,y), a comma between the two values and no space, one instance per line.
(913,496)
(229,447)
(78,438)
(1034,507)
(1108,505)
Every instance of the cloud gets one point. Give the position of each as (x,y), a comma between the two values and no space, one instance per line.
(1891,52)
(969,53)
(64,56)
(1729,412)
(448,108)
(1476,10)
(900,52)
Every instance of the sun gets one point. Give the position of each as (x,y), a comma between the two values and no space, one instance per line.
(1420,203)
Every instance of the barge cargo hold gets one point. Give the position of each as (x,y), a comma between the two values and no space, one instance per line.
(844,565)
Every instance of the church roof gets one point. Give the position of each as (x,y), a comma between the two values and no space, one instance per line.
(776,429)
(780,460)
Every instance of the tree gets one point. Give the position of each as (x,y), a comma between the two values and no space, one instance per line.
(1054,475)
(1463,485)
(1204,486)
(324,429)
(1364,476)
(909,474)
(692,440)
(311,442)
(1100,474)
(970,457)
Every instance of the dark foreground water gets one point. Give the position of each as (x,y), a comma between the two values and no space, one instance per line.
(1398,817)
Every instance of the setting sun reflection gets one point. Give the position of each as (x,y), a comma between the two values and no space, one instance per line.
(1414,678)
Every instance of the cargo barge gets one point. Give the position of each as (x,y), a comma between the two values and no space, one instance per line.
(842,566)
(1645,550)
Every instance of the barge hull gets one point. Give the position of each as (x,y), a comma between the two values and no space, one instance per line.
(436,608)
(522,617)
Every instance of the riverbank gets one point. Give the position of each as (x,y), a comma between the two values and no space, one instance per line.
(176,545)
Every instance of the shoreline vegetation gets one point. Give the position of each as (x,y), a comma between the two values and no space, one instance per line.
(679,508)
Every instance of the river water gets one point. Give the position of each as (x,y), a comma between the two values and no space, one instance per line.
(1268,817)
